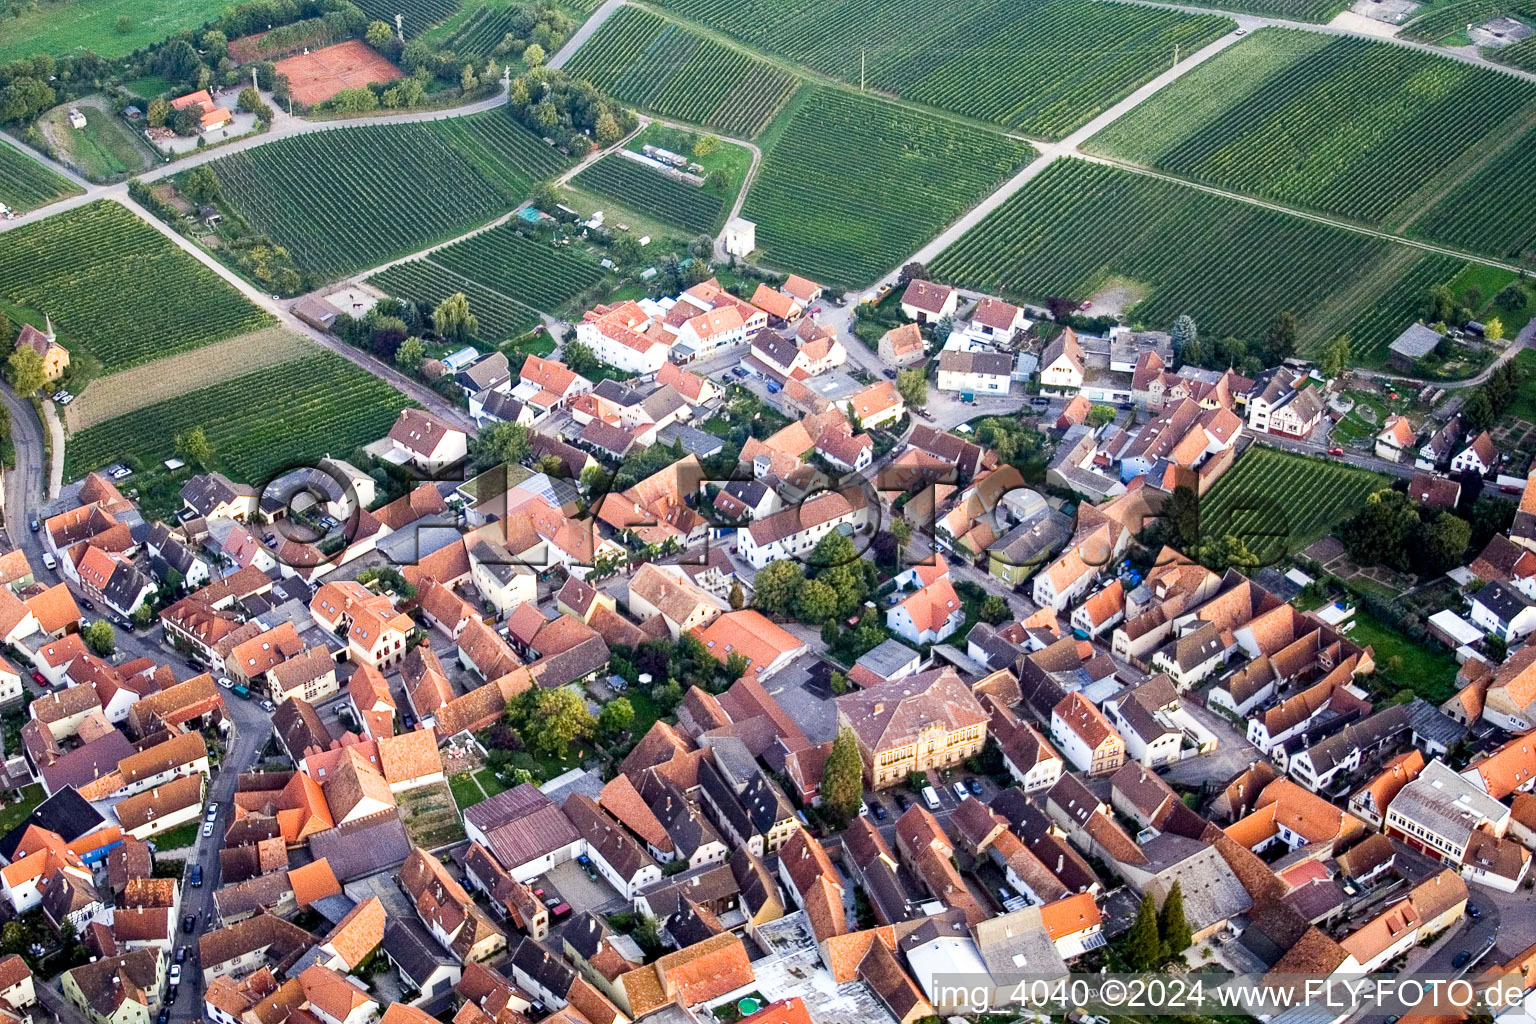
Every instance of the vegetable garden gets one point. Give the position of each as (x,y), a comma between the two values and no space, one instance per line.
(1278,503)
(1352,127)
(646,191)
(531,272)
(1043,67)
(118,288)
(426,284)
(258,423)
(646,60)
(377,192)
(26,184)
(1233,265)
(855,185)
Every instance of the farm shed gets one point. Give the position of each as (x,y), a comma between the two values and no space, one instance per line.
(1412,345)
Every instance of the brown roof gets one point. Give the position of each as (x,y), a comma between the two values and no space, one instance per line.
(892,714)
(408,756)
(142,808)
(359,933)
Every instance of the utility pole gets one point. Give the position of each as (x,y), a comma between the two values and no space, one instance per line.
(1175,54)
(400,27)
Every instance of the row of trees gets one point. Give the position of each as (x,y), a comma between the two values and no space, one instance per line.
(1158,934)
(570,111)
(1482,408)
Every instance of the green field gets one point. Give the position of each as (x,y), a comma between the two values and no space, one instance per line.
(426,283)
(73,26)
(1232,265)
(1278,503)
(1389,312)
(419,15)
(1521,55)
(1360,129)
(1319,11)
(692,209)
(855,185)
(531,272)
(375,193)
(105,150)
(258,424)
(1043,67)
(118,288)
(26,184)
(646,60)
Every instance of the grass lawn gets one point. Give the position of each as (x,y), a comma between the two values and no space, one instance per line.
(178,837)
(11,815)
(1523,405)
(540,344)
(105,149)
(151,86)
(72,26)
(466,792)
(1429,671)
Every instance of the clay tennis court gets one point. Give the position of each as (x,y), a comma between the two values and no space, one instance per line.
(316,77)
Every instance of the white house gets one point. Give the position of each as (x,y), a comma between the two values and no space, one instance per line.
(929,301)
(1062,364)
(622,336)
(793,532)
(1479,456)
(975,372)
(1501,610)
(427,442)
(929,615)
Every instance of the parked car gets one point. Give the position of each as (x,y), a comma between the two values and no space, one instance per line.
(189,922)
(1335,450)
(34,524)
(1461,959)
(224,682)
(880,812)
(959,789)
(902,802)
(889,374)
(931,798)
(175,977)
(37,677)
(560,910)
(181,954)
(1473,911)
(85,603)
(207,829)
(268,706)
(196,877)
(49,560)
(974,785)
(165,1015)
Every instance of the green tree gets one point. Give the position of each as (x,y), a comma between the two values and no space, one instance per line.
(468,81)
(1496,647)
(13,937)
(616,716)
(913,386)
(177,60)
(1172,926)
(534,56)
(705,145)
(902,532)
(1280,339)
(554,719)
(452,319)
(249,100)
(580,358)
(1184,334)
(1439,305)
(738,598)
(379,35)
(1442,544)
(100,638)
(201,185)
(838,683)
(1143,945)
(1511,298)
(1493,329)
(195,447)
(842,781)
(994,610)
(500,444)
(776,585)
(25,371)
(1477,411)
(607,129)
(410,354)
(1099,415)
(158,111)
(1336,357)
(815,602)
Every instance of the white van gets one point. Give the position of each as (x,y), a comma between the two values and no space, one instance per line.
(930,798)
(49,560)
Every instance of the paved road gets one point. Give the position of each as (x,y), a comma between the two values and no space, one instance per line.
(24,484)
(585,32)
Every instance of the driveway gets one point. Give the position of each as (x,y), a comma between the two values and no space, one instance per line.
(1233,752)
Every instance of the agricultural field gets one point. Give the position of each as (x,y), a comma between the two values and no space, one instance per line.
(1278,503)
(531,272)
(258,423)
(105,150)
(479,33)
(426,284)
(1493,210)
(644,59)
(1442,20)
(1391,311)
(1347,126)
(854,185)
(419,15)
(1042,67)
(1317,11)
(692,209)
(118,288)
(26,184)
(378,192)
(1521,55)
(1233,265)
(72,26)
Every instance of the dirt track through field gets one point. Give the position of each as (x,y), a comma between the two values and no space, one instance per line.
(119,393)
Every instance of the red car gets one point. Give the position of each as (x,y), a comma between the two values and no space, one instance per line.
(1335,451)
(1085,304)
(37,677)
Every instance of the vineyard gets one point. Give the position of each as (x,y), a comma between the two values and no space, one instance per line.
(426,284)
(1043,67)
(1357,128)
(118,288)
(419,15)
(258,423)
(646,60)
(1278,503)
(531,272)
(1318,11)
(1390,312)
(480,33)
(644,190)
(855,185)
(374,193)
(1493,210)
(1233,265)
(26,184)
(1521,55)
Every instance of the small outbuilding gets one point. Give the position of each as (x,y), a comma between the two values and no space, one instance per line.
(1412,345)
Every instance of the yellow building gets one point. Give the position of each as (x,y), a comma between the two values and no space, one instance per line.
(913,724)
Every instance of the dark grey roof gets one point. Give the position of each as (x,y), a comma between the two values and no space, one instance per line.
(890,656)
(1434,725)
(1415,342)
(694,442)
(124,587)
(614,391)
(1502,599)
(298,727)
(488,371)
(413,950)
(205,492)
(364,846)
(551,970)
(499,405)
(997,364)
